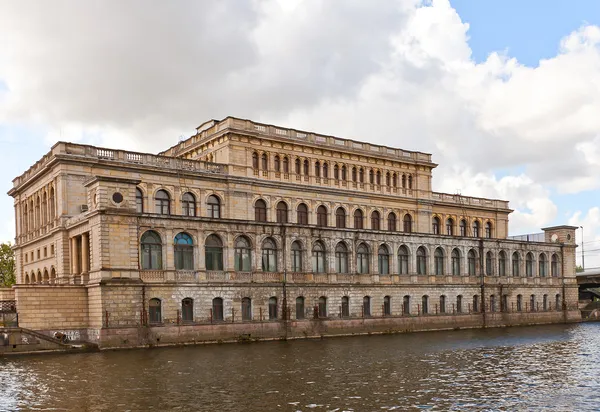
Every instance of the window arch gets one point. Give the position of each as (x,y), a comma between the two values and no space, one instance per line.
(318,169)
(272,308)
(155,312)
(264,161)
(459,304)
(475,303)
(318,258)
(362,259)
(52,275)
(162,202)
(187,310)
(371,176)
(532,307)
(255,160)
(188,204)
(410,181)
(476,228)
(345,307)
(502,263)
(306,168)
(213,204)
(151,250)
(340,218)
(260,211)
(545,302)
(341,258)
(297,256)
(277,163)
(269,255)
(403,260)
(388,179)
(344,175)
(358,219)
(322,216)
(184,251)
(407,223)
(492,303)
(300,307)
(519,303)
(282,212)
(463,227)
(302,214)
(455,259)
(488,230)
(425,305)
(213,253)
(286,164)
(438,261)
(421,261)
(322,307)
(557,303)
(336,172)
(554,272)
(26,278)
(435,229)
(361,175)
(378,177)
(246,309)
(387,306)
(515,264)
(375,220)
(450,226)
(242,255)
(366,306)
(383,260)
(529,265)
(443,304)
(354,176)
(217,309)
(139,200)
(472,262)
(542,265)
(297,166)
(489,264)
(325,170)
(391,220)
(406,305)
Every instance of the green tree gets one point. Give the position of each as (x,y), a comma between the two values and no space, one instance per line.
(7,265)
(578,269)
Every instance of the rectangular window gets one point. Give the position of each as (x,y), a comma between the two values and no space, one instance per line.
(38,253)
(52,250)
(45,251)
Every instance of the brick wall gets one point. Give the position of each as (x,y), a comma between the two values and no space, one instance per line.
(7,294)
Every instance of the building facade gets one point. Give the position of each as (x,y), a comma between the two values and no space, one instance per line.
(247,230)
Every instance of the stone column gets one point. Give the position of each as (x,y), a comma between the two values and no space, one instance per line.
(74,257)
(85,253)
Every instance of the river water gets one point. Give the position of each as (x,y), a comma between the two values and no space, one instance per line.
(523,368)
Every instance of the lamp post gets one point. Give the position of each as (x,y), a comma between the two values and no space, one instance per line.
(582,250)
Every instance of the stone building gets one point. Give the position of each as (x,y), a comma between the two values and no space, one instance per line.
(247,230)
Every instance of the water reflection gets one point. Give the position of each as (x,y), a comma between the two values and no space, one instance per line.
(497,369)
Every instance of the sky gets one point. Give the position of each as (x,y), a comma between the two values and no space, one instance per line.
(505,94)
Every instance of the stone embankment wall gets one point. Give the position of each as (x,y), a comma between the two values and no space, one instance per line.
(7,294)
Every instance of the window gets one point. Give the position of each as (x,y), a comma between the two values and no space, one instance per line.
(155,315)
(340,218)
(463,227)
(442,304)
(554,265)
(344,176)
(187,310)
(557,304)
(272,308)
(242,261)
(300,307)
(214,207)
(529,265)
(410,181)
(354,174)
(302,214)
(403,260)
(404,181)
(188,204)
(336,172)
(51,250)
(371,176)
(341,258)
(383,260)
(358,219)
(378,176)
(362,259)
(162,203)
(542,265)
(282,212)
(515,264)
(277,163)
(519,303)
(345,307)
(476,228)
(151,248)
(450,227)
(217,309)
(296,257)
(387,306)
(306,167)
(425,305)
(264,161)
(255,160)
(297,166)
(325,170)
(455,258)
(260,211)
(375,220)
(475,303)
(139,200)
(545,302)
(213,253)
(504,304)
(366,306)
(421,261)
(184,252)
(322,307)
(438,261)
(318,169)
(246,309)
(388,180)
(488,230)
(502,264)
(472,262)
(406,305)
(286,165)
(318,258)
(532,307)
(489,264)
(322,216)
(395,180)
(392,222)
(45,251)
(459,304)
(269,256)
(407,223)
(492,303)
(361,175)
(436,226)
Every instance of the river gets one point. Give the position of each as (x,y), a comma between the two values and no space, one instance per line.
(522,368)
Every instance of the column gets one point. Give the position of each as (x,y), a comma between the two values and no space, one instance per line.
(74,257)
(85,253)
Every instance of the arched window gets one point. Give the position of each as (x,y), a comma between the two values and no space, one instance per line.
(358,219)
(529,265)
(282,212)
(27,278)
(367,306)
(554,265)
(318,258)
(403,260)
(542,265)
(184,252)
(410,181)
(217,309)
(325,170)
(388,179)
(25,217)
(306,168)
(260,211)
(425,305)
(488,230)
(341,258)
(375,220)
(492,303)
(269,256)
(475,303)
(297,166)
(336,172)
(407,223)
(545,302)
(52,205)
(264,162)
(297,257)
(340,218)
(387,306)
(378,177)
(438,261)
(345,307)
(154,311)
(361,175)
(188,204)
(515,264)
(354,176)
(392,222)
(46,276)
(317,169)
(187,310)
(471,262)
(246,309)
(489,264)
(139,200)
(476,228)
(450,227)
(322,216)
(395,180)
(436,226)
(286,165)
(277,163)
(406,305)
(300,307)
(214,207)
(162,203)
(459,304)
(532,307)
(272,308)
(502,263)
(255,160)
(463,227)
(322,307)
(442,304)
(371,176)
(362,259)
(403,181)
(52,275)
(557,303)
(242,260)
(213,253)
(519,303)
(383,260)
(421,261)
(302,214)
(455,258)
(151,249)
(344,175)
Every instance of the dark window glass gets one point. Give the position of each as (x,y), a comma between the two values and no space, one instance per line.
(455,258)
(139,201)
(358,219)
(438,261)
(300,307)
(184,252)
(187,310)
(269,256)
(282,212)
(260,211)
(375,220)
(322,307)
(318,258)
(436,226)
(345,307)
(151,250)
(302,214)
(362,259)
(403,260)
(341,258)
(421,261)
(213,206)
(217,309)
(407,223)
(213,253)
(392,222)
(246,309)
(297,257)
(322,216)
(162,203)
(155,313)
(188,204)
(366,306)
(383,260)
(472,262)
(340,218)
(242,261)
(272,308)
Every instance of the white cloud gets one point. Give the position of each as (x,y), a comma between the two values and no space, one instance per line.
(590,221)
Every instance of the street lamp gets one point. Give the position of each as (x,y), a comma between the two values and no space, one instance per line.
(582,250)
